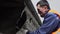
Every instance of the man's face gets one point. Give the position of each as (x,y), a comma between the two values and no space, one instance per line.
(42,10)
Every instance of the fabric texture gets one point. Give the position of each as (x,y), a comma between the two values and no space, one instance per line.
(50,24)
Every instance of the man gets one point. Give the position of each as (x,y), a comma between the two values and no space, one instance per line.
(51,20)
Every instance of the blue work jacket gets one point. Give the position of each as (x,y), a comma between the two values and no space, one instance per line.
(50,24)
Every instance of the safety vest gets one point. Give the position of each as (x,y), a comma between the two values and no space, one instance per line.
(58,30)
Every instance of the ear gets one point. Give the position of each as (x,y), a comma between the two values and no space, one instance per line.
(38,6)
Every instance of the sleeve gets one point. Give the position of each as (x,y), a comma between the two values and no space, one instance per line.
(50,23)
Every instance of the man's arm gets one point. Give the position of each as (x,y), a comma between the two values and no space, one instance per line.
(50,23)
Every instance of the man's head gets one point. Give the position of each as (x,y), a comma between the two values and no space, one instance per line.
(42,8)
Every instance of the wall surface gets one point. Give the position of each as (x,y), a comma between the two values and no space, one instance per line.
(55,4)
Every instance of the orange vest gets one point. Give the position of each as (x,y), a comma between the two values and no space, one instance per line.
(55,12)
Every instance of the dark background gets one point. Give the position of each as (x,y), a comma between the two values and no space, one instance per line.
(10,11)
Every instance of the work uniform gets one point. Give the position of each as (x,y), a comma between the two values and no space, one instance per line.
(58,27)
(50,24)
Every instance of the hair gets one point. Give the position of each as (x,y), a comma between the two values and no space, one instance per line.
(43,3)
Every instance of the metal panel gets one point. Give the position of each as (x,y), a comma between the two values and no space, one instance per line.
(33,11)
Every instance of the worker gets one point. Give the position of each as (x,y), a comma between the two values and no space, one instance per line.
(51,21)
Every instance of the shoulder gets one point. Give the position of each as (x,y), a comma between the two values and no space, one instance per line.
(51,15)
